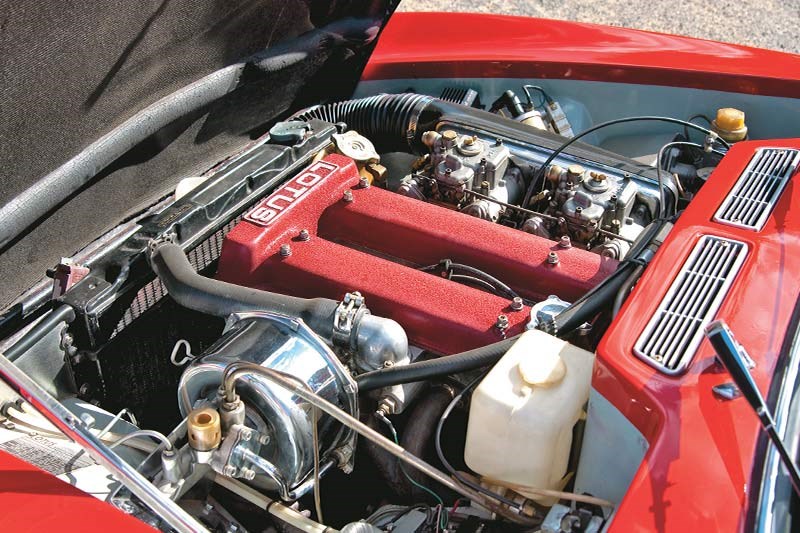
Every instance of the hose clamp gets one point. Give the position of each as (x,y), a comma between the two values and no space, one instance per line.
(346,318)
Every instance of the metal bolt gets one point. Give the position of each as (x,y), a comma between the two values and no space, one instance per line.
(502,322)
(229,470)
(88,420)
(286,250)
(552,258)
(248,473)
(517,304)
(498,142)
(263,439)
(348,196)
(363,183)
(304,235)
(207,508)
(388,364)
(578,210)
(246,435)
(565,242)
(85,389)
(613,198)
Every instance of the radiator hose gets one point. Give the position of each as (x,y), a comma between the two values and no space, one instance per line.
(374,340)
(218,298)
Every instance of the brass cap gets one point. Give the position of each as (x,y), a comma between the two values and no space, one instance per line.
(204,430)
(575,171)
(450,135)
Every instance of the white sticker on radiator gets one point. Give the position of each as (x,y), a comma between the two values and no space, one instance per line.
(47,454)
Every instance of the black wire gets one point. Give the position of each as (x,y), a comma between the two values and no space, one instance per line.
(484,278)
(474,281)
(438,443)
(543,169)
(690,119)
(545,96)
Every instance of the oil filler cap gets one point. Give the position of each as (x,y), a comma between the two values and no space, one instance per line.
(545,369)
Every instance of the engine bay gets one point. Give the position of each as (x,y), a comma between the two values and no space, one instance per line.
(323,302)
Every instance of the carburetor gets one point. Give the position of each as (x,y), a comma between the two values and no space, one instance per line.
(460,163)
(590,207)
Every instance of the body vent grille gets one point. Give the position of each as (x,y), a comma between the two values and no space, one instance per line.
(673,334)
(752,198)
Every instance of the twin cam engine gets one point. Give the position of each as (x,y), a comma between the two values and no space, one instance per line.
(350,269)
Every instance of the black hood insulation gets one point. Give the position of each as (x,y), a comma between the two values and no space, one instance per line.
(78,73)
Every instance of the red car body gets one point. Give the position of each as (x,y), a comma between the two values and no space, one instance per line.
(698,469)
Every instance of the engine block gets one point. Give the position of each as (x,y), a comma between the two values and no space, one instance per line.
(326,232)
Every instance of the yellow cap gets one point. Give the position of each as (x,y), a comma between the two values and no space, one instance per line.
(729,124)
(730,119)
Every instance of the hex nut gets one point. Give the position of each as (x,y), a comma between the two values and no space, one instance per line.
(502,322)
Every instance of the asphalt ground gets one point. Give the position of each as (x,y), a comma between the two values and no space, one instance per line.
(773,24)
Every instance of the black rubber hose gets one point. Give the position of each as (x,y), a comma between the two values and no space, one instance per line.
(586,308)
(51,320)
(590,304)
(581,311)
(35,202)
(434,368)
(214,297)
(625,289)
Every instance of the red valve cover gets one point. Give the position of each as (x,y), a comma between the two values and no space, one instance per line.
(374,244)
